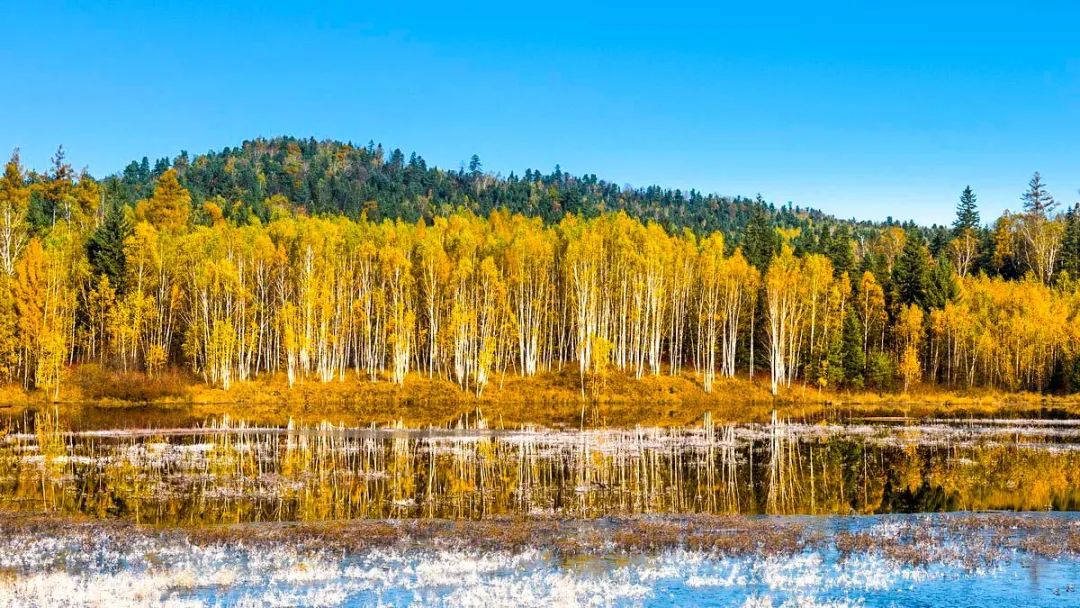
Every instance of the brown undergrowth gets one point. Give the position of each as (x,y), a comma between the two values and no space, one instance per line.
(969,540)
(551,399)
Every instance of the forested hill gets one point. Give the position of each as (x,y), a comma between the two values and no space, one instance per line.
(328,177)
(289,256)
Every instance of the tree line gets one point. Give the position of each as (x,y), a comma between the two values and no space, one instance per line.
(160,277)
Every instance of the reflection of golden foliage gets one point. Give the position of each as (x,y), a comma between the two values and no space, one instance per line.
(235,473)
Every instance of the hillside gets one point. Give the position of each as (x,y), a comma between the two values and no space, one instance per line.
(321,261)
(330,177)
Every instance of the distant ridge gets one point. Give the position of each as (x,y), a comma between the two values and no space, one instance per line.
(331,177)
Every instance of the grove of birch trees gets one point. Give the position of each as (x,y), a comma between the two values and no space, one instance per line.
(168,283)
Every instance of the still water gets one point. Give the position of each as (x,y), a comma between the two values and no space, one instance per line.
(224,471)
(779,514)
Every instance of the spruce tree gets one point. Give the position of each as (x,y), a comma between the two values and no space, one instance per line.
(853,356)
(1037,201)
(967,213)
(105,247)
(840,251)
(940,285)
(911,273)
(760,239)
(1070,242)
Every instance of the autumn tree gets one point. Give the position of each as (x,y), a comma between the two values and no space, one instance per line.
(531,277)
(1040,233)
(909,340)
(785,299)
(584,267)
(1031,241)
(55,192)
(710,313)
(170,205)
(14,205)
(244,287)
(870,307)
(45,303)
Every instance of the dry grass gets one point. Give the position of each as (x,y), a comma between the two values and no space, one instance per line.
(727,535)
(95,383)
(550,399)
(973,541)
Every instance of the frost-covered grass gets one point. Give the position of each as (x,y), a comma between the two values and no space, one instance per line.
(168,571)
(67,563)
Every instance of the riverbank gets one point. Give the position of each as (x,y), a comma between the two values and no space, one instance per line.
(551,399)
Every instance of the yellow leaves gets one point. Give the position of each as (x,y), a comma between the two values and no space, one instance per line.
(14,205)
(45,305)
(29,290)
(817,270)
(962,251)
(1009,333)
(169,207)
(785,273)
(909,331)
(910,366)
(888,244)
(156,357)
(86,198)
(1030,241)
(788,235)
(910,325)
(601,355)
(474,297)
(214,212)
(785,294)
(711,255)
(14,194)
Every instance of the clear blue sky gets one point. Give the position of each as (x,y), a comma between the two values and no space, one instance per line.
(856,110)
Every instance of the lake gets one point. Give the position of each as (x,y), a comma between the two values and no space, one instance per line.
(222,513)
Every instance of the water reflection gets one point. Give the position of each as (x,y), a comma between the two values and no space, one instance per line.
(225,471)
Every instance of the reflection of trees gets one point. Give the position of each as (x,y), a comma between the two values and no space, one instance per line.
(238,474)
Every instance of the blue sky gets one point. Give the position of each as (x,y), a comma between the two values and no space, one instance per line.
(859,110)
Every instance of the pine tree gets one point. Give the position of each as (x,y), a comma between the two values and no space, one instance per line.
(840,252)
(967,213)
(1070,242)
(761,241)
(105,247)
(853,356)
(963,249)
(1037,201)
(911,273)
(940,285)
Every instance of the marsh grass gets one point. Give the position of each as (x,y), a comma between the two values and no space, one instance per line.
(969,541)
(550,399)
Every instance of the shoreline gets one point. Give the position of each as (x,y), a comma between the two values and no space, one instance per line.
(550,400)
(1047,534)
